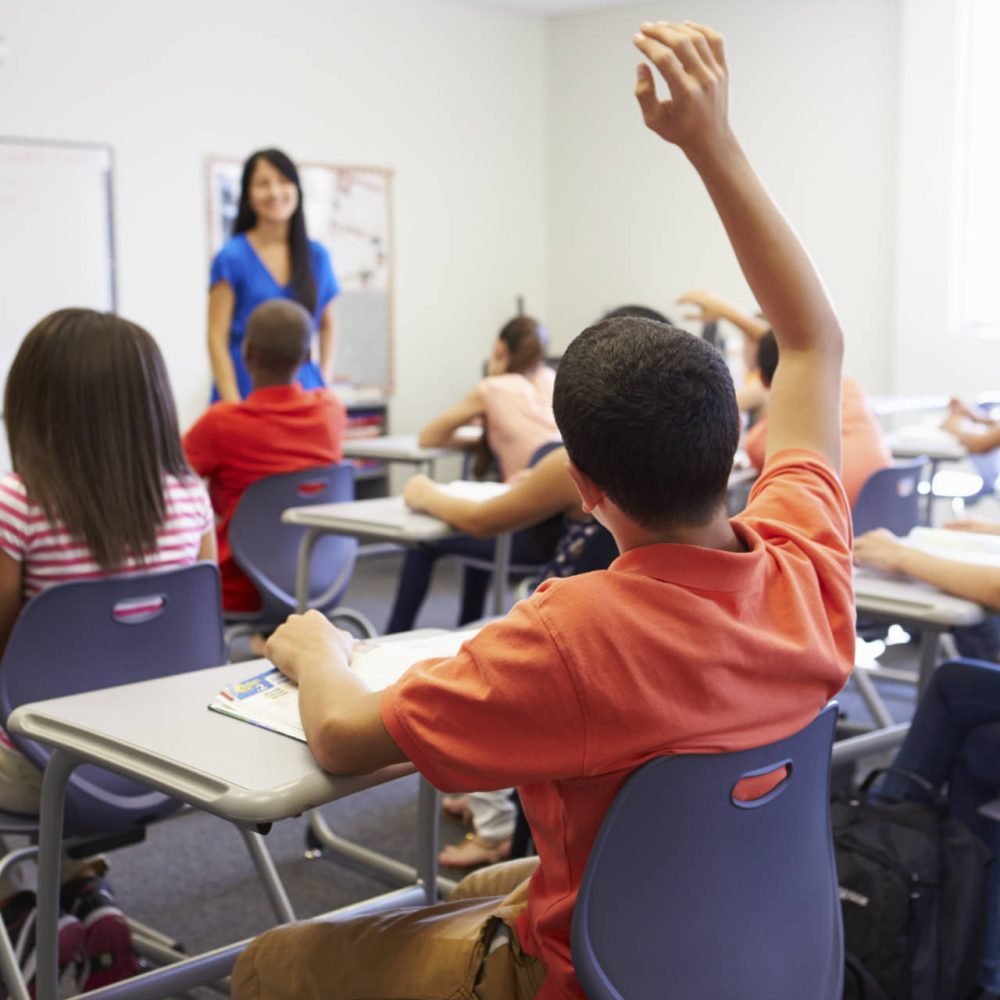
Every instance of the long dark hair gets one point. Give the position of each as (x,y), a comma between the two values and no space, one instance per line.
(92,430)
(303,283)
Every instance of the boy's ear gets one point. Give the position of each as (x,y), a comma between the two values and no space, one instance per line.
(590,493)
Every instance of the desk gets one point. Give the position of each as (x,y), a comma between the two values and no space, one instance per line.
(386,519)
(260,778)
(401,448)
(934,442)
(886,405)
(909,602)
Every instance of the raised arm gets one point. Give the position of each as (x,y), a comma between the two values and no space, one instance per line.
(708,306)
(440,430)
(804,406)
(545,491)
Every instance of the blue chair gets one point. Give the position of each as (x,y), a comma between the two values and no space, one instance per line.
(93,634)
(267,550)
(692,894)
(890,498)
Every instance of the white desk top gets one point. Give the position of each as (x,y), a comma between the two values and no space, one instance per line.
(392,448)
(925,439)
(386,518)
(973,547)
(882,596)
(887,405)
(162,734)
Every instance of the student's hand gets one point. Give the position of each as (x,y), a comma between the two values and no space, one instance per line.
(954,423)
(977,524)
(706,306)
(879,549)
(418,491)
(691,59)
(308,642)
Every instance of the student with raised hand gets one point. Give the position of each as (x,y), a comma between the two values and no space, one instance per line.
(707,634)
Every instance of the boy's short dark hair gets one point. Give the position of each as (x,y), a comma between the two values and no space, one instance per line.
(767,358)
(649,413)
(279,335)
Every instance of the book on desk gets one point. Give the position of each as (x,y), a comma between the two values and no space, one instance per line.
(270,700)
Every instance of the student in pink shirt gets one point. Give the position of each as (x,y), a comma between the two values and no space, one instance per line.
(514,402)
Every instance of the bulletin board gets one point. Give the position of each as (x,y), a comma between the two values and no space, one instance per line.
(349,210)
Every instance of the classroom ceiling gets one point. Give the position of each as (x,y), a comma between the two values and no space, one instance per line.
(552,6)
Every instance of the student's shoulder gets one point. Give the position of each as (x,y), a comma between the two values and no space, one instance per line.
(800,491)
(13,493)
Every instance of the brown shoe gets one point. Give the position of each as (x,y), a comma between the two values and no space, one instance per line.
(474,852)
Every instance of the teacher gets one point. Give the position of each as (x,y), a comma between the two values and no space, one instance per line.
(269,256)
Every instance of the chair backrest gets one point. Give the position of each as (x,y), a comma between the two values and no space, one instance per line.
(267,550)
(890,498)
(93,634)
(692,893)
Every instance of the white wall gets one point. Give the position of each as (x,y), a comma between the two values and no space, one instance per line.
(448,95)
(814,99)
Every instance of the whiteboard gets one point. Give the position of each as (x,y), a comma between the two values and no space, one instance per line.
(349,211)
(56,242)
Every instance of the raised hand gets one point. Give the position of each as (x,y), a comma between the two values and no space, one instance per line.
(691,59)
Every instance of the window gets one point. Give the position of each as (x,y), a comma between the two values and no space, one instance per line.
(976,281)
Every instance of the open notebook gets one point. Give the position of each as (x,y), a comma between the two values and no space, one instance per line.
(963,546)
(270,700)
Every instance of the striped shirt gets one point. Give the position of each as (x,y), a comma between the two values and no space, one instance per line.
(49,554)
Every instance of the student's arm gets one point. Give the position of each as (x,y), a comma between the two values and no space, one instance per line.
(200,447)
(439,431)
(546,490)
(221,302)
(977,442)
(10,596)
(341,717)
(206,550)
(804,405)
(710,306)
(327,342)
(882,550)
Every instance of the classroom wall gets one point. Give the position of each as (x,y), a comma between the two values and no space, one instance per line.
(448,94)
(814,99)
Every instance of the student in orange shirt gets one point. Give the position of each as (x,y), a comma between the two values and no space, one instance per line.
(863,445)
(279,427)
(707,634)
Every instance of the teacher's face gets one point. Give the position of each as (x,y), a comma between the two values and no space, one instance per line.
(273,197)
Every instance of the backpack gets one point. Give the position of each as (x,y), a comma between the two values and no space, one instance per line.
(912,893)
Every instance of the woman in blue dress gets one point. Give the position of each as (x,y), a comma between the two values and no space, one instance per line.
(269,256)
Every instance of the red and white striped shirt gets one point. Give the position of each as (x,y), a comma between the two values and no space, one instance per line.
(49,554)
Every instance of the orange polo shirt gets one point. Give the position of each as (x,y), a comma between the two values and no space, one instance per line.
(281,428)
(673,649)
(864,449)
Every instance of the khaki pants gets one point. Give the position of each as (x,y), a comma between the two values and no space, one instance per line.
(445,952)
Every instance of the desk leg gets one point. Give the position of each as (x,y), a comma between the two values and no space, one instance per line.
(929,506)
(306,546)
(57,773)
(428,829)
(928,658)
(501,570)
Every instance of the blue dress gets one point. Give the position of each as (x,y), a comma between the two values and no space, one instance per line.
(252,283)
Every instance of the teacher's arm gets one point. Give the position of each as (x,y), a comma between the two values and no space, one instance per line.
(221,302)
(327,342)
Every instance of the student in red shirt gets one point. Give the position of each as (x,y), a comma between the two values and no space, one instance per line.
(707,634)
(279,427)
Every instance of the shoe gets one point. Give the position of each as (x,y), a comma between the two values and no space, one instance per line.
(20,916)
(474,852)
(457,807)
(107,941)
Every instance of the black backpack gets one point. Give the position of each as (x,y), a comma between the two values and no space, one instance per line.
(912,892)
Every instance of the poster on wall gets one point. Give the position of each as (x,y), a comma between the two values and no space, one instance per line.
(349,211)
